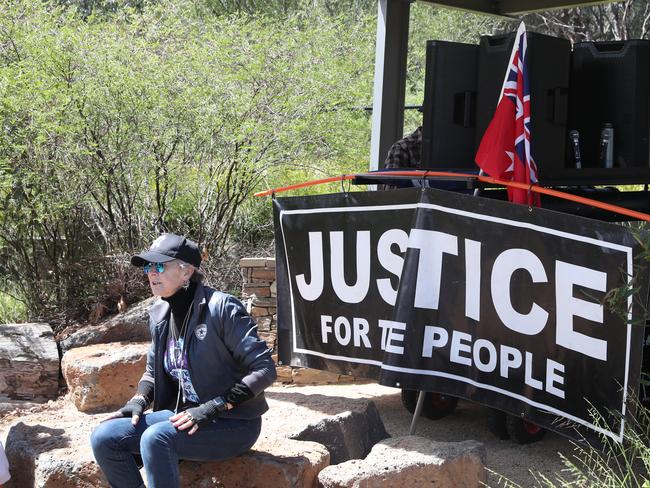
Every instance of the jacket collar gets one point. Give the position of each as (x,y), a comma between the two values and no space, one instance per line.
(159,311)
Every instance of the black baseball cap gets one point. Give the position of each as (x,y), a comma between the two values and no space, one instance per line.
(168,247)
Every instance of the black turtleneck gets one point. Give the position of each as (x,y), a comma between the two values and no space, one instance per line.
(180,303)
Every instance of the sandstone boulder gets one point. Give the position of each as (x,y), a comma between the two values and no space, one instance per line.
(348,435)
(411,461)
(130,326)
(309,376)
(103,377)
(272,463)
(29,362)
(54,457)
(51,449)
(284,374)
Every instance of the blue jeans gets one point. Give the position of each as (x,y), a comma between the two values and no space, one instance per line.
(161,445)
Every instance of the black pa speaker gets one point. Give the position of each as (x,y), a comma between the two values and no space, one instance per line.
(610,84)
(548,74)
(449,118)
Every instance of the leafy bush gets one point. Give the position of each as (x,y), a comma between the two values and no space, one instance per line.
(11,309)
(118,128)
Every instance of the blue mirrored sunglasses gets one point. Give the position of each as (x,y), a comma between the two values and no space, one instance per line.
(160,267)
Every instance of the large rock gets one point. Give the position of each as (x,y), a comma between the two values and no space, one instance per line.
(277,463)
(53,456)
(29,362)
(58,455)
(103,377)
(411,461)
(130,326)
(348,435)
(309,376)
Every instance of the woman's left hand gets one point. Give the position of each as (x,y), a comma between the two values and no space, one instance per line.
(185,420)
(193,417)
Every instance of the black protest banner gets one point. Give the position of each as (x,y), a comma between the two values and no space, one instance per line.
(481,299)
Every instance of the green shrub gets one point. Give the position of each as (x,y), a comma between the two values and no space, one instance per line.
(614,465)
(116,128)
(12,310)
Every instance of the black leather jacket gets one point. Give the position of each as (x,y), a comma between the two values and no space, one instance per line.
(222,349)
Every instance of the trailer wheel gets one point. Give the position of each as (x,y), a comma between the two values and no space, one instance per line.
(436,406)
(409,400)
(522,431)
(496,423)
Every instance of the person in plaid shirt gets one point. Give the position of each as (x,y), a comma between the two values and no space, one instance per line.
(406,152)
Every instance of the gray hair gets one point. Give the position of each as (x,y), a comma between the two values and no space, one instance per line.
(197,275)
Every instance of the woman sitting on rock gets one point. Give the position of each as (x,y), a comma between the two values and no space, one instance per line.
(204,380)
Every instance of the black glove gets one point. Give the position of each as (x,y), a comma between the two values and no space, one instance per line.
(238,394)
(207,411)
(135,406)
(145,389)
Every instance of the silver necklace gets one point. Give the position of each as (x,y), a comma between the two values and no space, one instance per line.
(178,353)
(177,334)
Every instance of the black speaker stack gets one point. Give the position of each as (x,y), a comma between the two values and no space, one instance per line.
(590,106)
(449,105)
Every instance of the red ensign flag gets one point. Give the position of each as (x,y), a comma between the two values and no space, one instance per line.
(504,151)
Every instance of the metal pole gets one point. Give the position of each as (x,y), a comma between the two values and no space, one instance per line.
(418,411)
(389,88)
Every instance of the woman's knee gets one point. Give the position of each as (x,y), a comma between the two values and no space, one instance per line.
(157,438)
(104,438)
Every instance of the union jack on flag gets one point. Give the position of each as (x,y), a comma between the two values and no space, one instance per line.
(504,151)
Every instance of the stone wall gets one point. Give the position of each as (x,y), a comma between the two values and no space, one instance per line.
(259,296)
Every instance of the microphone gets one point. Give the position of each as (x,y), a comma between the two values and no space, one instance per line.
(574,138)
(607,146)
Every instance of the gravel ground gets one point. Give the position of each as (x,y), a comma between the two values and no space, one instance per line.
(515,462)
